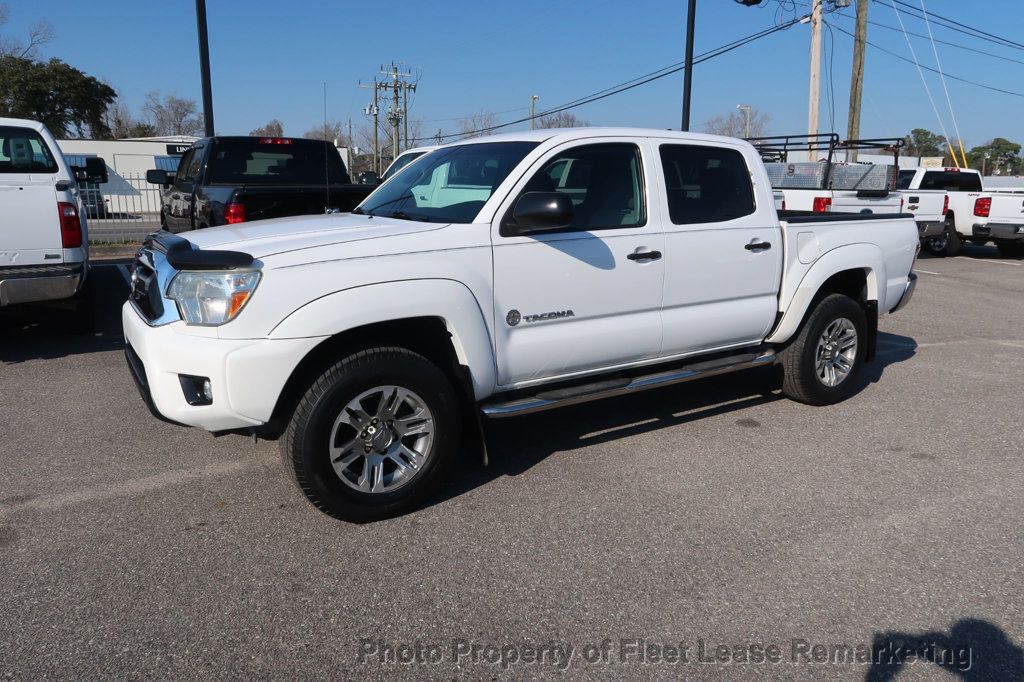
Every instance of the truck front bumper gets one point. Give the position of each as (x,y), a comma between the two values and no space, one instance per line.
(34,283)
(1000,231)
(246,375)
(908,293)
(930,228)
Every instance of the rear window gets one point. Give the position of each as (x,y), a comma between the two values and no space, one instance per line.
(22,150)
(296,162)
(951,182)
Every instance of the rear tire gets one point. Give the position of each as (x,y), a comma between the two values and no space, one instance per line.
(374,435)
(820,366)
(1011,249)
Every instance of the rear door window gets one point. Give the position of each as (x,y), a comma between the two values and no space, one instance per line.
(23,150)
(706,184)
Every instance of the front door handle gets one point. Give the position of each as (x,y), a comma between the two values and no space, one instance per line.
(644,255)
(758,245)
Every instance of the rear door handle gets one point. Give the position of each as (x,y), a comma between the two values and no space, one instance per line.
(758,245)
(644,255)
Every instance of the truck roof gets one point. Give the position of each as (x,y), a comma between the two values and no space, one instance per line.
(21,122)
(569,134)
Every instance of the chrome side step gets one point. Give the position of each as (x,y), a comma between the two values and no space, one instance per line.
(549,400)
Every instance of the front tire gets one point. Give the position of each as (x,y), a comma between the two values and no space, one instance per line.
(374,435)
(820,366)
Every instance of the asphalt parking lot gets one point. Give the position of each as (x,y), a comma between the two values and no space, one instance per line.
(711,514)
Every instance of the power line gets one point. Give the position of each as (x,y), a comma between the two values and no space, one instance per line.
(955,25)
(942,77)
(928,68)
(940,42)
(630,84)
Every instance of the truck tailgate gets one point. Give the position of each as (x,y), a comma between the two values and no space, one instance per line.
(29,223)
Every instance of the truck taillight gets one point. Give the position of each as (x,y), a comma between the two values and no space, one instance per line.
(822,204)
(70,225)
(945,205)
(234,213)
(983,207)
(275,140)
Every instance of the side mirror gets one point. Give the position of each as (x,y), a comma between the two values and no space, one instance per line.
(95,170)
(541,212)
(369,178)
(157,177)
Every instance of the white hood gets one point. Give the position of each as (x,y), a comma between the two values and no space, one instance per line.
(267,237)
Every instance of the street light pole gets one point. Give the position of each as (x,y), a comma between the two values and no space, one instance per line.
(688,72)
(204,67)
(533,103)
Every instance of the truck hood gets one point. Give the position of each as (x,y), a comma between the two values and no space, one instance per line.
(265,238)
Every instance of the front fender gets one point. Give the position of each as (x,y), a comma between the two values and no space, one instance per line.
(797,299)
(449,300)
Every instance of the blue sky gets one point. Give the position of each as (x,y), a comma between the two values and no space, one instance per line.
(270,60)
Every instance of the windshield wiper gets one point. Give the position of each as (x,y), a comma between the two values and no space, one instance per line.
(358,211)
(402,215)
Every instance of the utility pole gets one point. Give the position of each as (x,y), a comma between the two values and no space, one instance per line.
(405,111)
(691,19)
(533,103)
(373,110)
(815,89)
(396,114)
(857,80)
(746,109)
(204,67)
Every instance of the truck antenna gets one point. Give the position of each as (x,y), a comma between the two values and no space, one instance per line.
(327,172)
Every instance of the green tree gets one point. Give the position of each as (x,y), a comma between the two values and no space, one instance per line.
(921,142)
(67,100)
(1003,157)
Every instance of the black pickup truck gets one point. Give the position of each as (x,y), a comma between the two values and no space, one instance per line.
(225,180)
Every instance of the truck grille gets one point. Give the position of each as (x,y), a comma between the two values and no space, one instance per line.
(145,289)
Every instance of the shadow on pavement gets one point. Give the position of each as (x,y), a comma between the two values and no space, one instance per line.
(40,332)
(973,649)
(971,251)
(517,444)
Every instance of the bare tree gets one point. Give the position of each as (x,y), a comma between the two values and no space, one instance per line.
(172,115)
(563,119)
(331,131)
(477,124)
(40,34)
(122,123)
(274,128)
(735,124)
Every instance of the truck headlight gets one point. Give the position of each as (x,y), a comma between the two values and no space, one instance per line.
(211,298)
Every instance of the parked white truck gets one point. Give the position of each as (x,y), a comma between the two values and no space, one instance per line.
(962,188)
(496,277)
(826,183)
(928,206)
(43,236)
(999,217)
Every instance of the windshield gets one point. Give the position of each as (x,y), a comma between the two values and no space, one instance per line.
(906,177)
(275,161)
(400,163)
(449,185)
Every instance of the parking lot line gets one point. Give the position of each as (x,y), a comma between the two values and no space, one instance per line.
(998,262)
(928,272)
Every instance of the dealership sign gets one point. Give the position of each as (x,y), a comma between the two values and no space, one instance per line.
(178,149)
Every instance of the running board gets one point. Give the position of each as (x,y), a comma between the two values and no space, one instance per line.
(549,400)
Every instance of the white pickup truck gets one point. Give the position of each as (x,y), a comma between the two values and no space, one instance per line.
(999,217)
(963,189)
(496,277)
(928,206)
(43,237)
